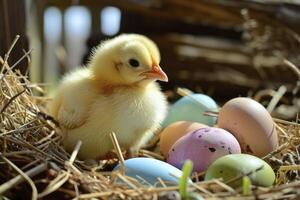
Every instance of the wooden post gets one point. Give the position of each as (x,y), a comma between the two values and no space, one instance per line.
(12,23)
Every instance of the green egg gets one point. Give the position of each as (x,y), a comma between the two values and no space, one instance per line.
(192,109)
(236,165)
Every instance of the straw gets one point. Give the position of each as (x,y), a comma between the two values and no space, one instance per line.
(119,152)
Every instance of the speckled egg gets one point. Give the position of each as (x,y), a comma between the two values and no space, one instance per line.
(188,109)
(203,147)
(251,124)
(148,170)
(175,131)
(236,165)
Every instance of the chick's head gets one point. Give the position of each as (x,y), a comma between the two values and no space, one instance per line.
(128,59)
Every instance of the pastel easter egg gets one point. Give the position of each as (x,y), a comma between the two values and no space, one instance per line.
(251,124)
(203,147)
(175,131)
(236,165)
(148,170)
(192,109)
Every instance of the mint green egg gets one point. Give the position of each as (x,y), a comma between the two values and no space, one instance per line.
(236,165)
(187,109)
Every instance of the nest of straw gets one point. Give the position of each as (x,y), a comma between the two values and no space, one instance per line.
(34,165)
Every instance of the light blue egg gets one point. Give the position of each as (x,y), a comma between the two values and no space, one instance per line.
(187,109)
(147,171)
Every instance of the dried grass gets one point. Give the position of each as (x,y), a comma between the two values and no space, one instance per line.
(34,165)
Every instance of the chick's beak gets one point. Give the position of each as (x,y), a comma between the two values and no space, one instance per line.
(156,73)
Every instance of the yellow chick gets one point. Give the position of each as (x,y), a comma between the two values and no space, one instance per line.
(116,92)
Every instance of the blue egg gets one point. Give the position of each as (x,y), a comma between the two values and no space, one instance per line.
(187,109)
(147,171)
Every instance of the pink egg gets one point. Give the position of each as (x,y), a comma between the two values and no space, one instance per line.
(203,147)
(175,131)
(251,124)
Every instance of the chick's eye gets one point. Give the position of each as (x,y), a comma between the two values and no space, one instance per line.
(134,62)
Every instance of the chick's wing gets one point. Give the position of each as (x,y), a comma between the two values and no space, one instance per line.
(70,105)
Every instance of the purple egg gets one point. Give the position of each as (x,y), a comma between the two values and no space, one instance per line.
(203,147)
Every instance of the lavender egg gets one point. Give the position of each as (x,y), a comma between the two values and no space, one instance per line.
(203,147)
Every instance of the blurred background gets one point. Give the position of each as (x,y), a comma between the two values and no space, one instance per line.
(223,48)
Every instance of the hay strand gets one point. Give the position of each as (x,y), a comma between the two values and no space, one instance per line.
(19,179)
(34,195)
(115,142)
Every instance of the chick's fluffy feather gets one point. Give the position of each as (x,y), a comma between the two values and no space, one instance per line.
(94,101)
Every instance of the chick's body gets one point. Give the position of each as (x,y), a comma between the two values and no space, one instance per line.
(107,97)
